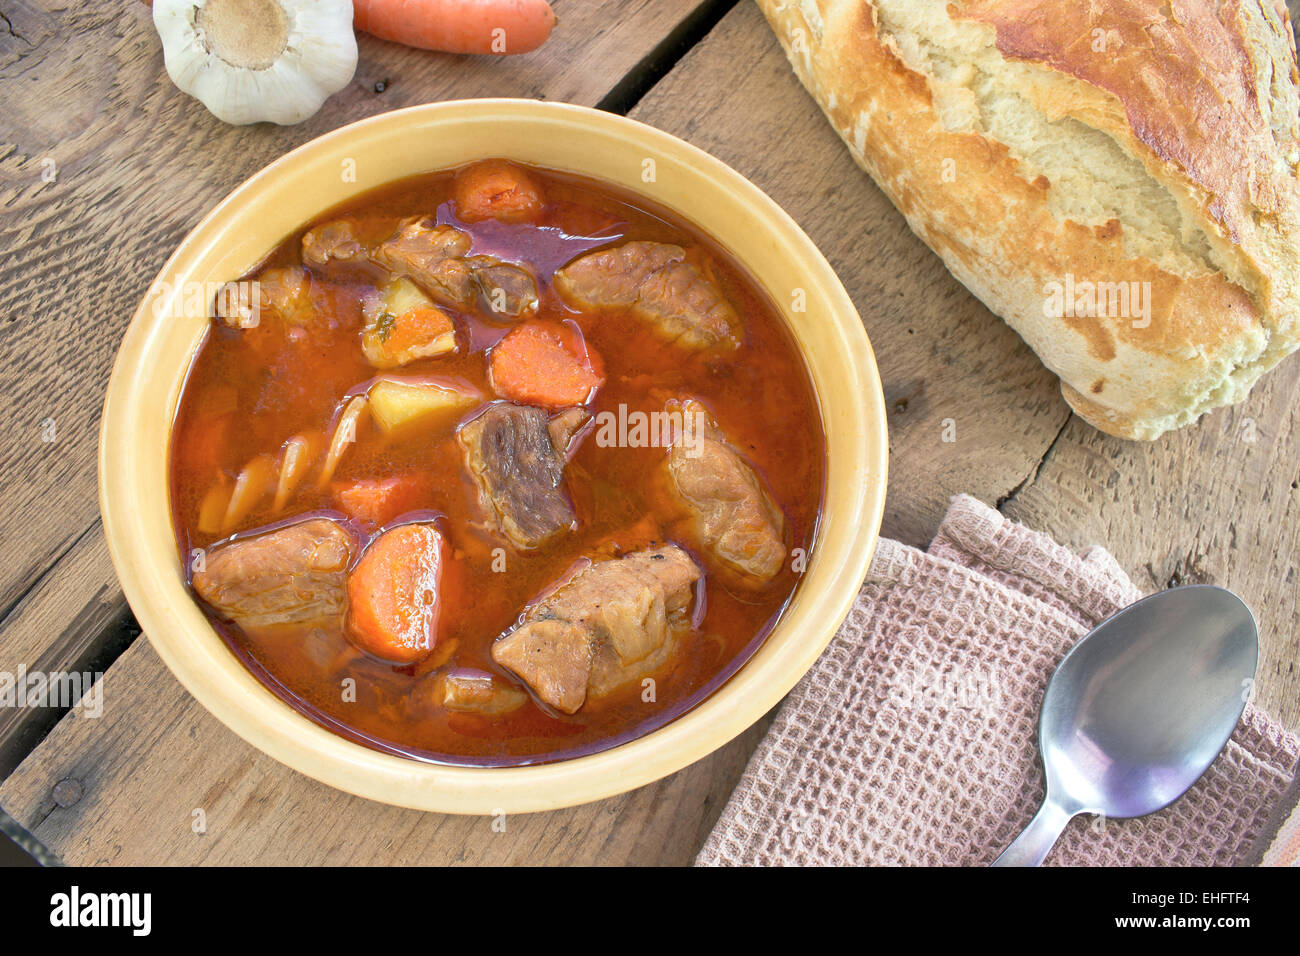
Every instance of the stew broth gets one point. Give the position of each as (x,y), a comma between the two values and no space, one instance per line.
(250,389)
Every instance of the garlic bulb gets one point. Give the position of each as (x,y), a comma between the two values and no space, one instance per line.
(254,60)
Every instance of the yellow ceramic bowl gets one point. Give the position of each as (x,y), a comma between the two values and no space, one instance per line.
(167,329)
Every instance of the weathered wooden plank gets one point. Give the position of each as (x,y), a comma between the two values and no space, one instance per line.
(104,167)
(127,787)
(148,779)
(74,619)
(942,356)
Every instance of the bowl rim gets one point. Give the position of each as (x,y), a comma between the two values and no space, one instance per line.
(293,739)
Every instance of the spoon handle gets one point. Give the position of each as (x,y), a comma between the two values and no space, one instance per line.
(1037,839)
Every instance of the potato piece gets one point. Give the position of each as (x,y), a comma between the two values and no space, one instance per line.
(397,403)
(402,295)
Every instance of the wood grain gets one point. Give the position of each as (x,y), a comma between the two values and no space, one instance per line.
(1204,502)
(141,771)
(104,167)
(74,619)
(154,758)
(1218,503)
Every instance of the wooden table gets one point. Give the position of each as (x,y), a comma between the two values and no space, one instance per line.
(136,164)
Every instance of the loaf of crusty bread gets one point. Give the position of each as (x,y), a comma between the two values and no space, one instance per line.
(1117,179)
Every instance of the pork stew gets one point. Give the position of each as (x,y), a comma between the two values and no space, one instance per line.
(496,465)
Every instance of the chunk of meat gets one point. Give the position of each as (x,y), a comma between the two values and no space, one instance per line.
(508,290)
(610,623)
(433,257)
(654,281)
(293,574)
(676,573)
(612,278)
(553,658)
(281,294)
(468,691)
(333,242)
(496,189)
(518,472)
(566,429)
(237,306)
(393,599)
(733,514)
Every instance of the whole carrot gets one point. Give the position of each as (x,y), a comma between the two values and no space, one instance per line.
(458,26)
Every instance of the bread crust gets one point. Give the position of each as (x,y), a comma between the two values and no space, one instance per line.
(1117,179)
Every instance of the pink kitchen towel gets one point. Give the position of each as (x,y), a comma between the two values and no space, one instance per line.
(912,741)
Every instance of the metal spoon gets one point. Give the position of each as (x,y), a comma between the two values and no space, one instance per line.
(1139,709)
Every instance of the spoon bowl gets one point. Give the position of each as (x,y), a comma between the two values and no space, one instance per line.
(1138,710)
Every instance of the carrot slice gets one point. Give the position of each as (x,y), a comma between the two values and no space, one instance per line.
(458,26)
(377,501)
(496,189)
(540,363)
(393,594)
(421,328)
